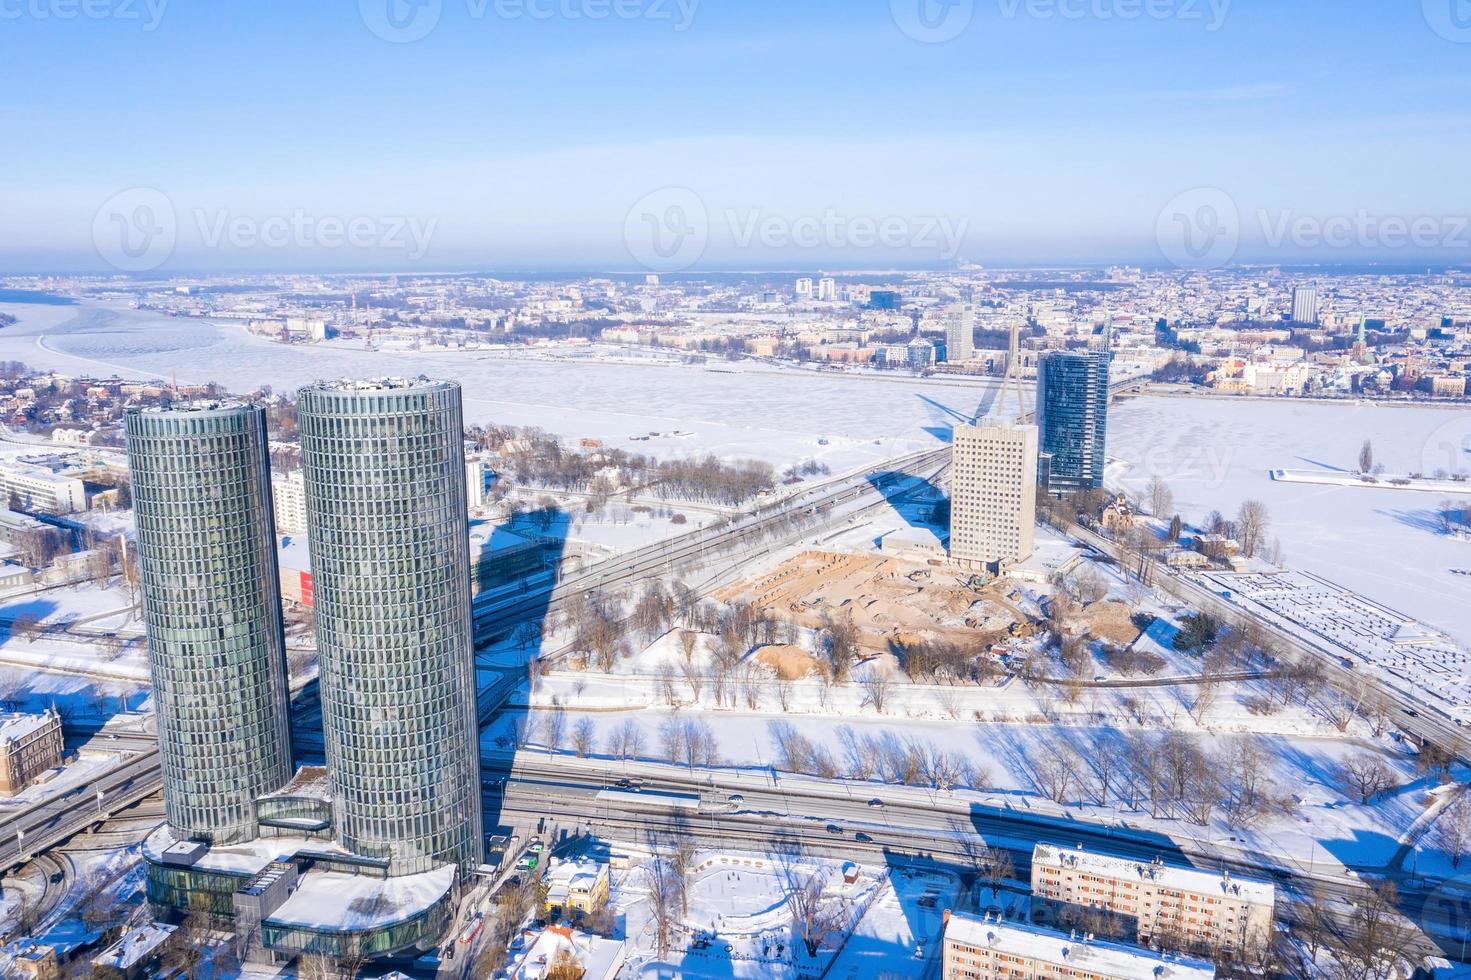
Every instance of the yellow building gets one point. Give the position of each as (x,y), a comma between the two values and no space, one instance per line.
(576,886)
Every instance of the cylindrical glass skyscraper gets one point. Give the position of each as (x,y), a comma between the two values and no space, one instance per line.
(202,504)
(384,465)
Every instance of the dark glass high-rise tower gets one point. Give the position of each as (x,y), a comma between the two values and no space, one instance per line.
(1072,414)
(211,605)
(384,468)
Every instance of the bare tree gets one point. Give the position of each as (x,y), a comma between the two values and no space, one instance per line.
(554,729)
(995,867)
(627,740)
(694,676)
(1366,775)
(583,734)
(1452,831)
(687,642)
(1055,773)
(664,898)
(672,740)
(1161,498)
(664,678)
(840,643)
(876,686)
(1252,522)
(1377,940)
(1366,457)
(815,915)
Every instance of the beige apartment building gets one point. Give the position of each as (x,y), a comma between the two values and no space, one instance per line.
(1151,902)
(29,745)
(977,948)
(993,495)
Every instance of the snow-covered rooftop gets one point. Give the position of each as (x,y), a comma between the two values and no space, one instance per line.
(354,385)
(1085,957)
(309,781)
(197,406)
(247,859)
(20,726)
(135,946)
(333,900)
(1127,869)
(599,958)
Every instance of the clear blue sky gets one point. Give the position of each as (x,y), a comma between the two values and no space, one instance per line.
(525,140)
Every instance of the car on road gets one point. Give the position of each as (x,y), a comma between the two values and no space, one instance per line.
(863,838)
(736,798)
(833,828)
(875,803)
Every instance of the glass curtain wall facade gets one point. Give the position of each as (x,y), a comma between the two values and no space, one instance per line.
(1072,416)
(216,653)
(384,467)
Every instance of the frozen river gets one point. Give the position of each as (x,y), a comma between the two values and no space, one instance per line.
(783,416)
(1215,453)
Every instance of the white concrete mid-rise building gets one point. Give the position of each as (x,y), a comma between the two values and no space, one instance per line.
(1150,901)
(978,948)
(993,495)
(288,498)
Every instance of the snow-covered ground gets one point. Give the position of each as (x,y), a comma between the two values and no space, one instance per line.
(1387,544)
(740,925)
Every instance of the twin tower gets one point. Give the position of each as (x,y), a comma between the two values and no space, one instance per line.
(384,469)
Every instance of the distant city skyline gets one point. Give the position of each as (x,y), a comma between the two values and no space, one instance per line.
(775,137)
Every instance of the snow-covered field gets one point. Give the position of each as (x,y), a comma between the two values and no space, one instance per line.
(740,925)
(1384,543)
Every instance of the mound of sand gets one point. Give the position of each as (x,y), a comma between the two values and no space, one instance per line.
(790,662)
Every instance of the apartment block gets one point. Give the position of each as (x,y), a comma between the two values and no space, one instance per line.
(977,948)
(1151,902)
(29,745)
(288,496)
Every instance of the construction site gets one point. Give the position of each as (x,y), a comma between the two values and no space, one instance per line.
(889,601)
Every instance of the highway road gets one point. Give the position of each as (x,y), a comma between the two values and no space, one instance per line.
(911,828)
(31,830)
